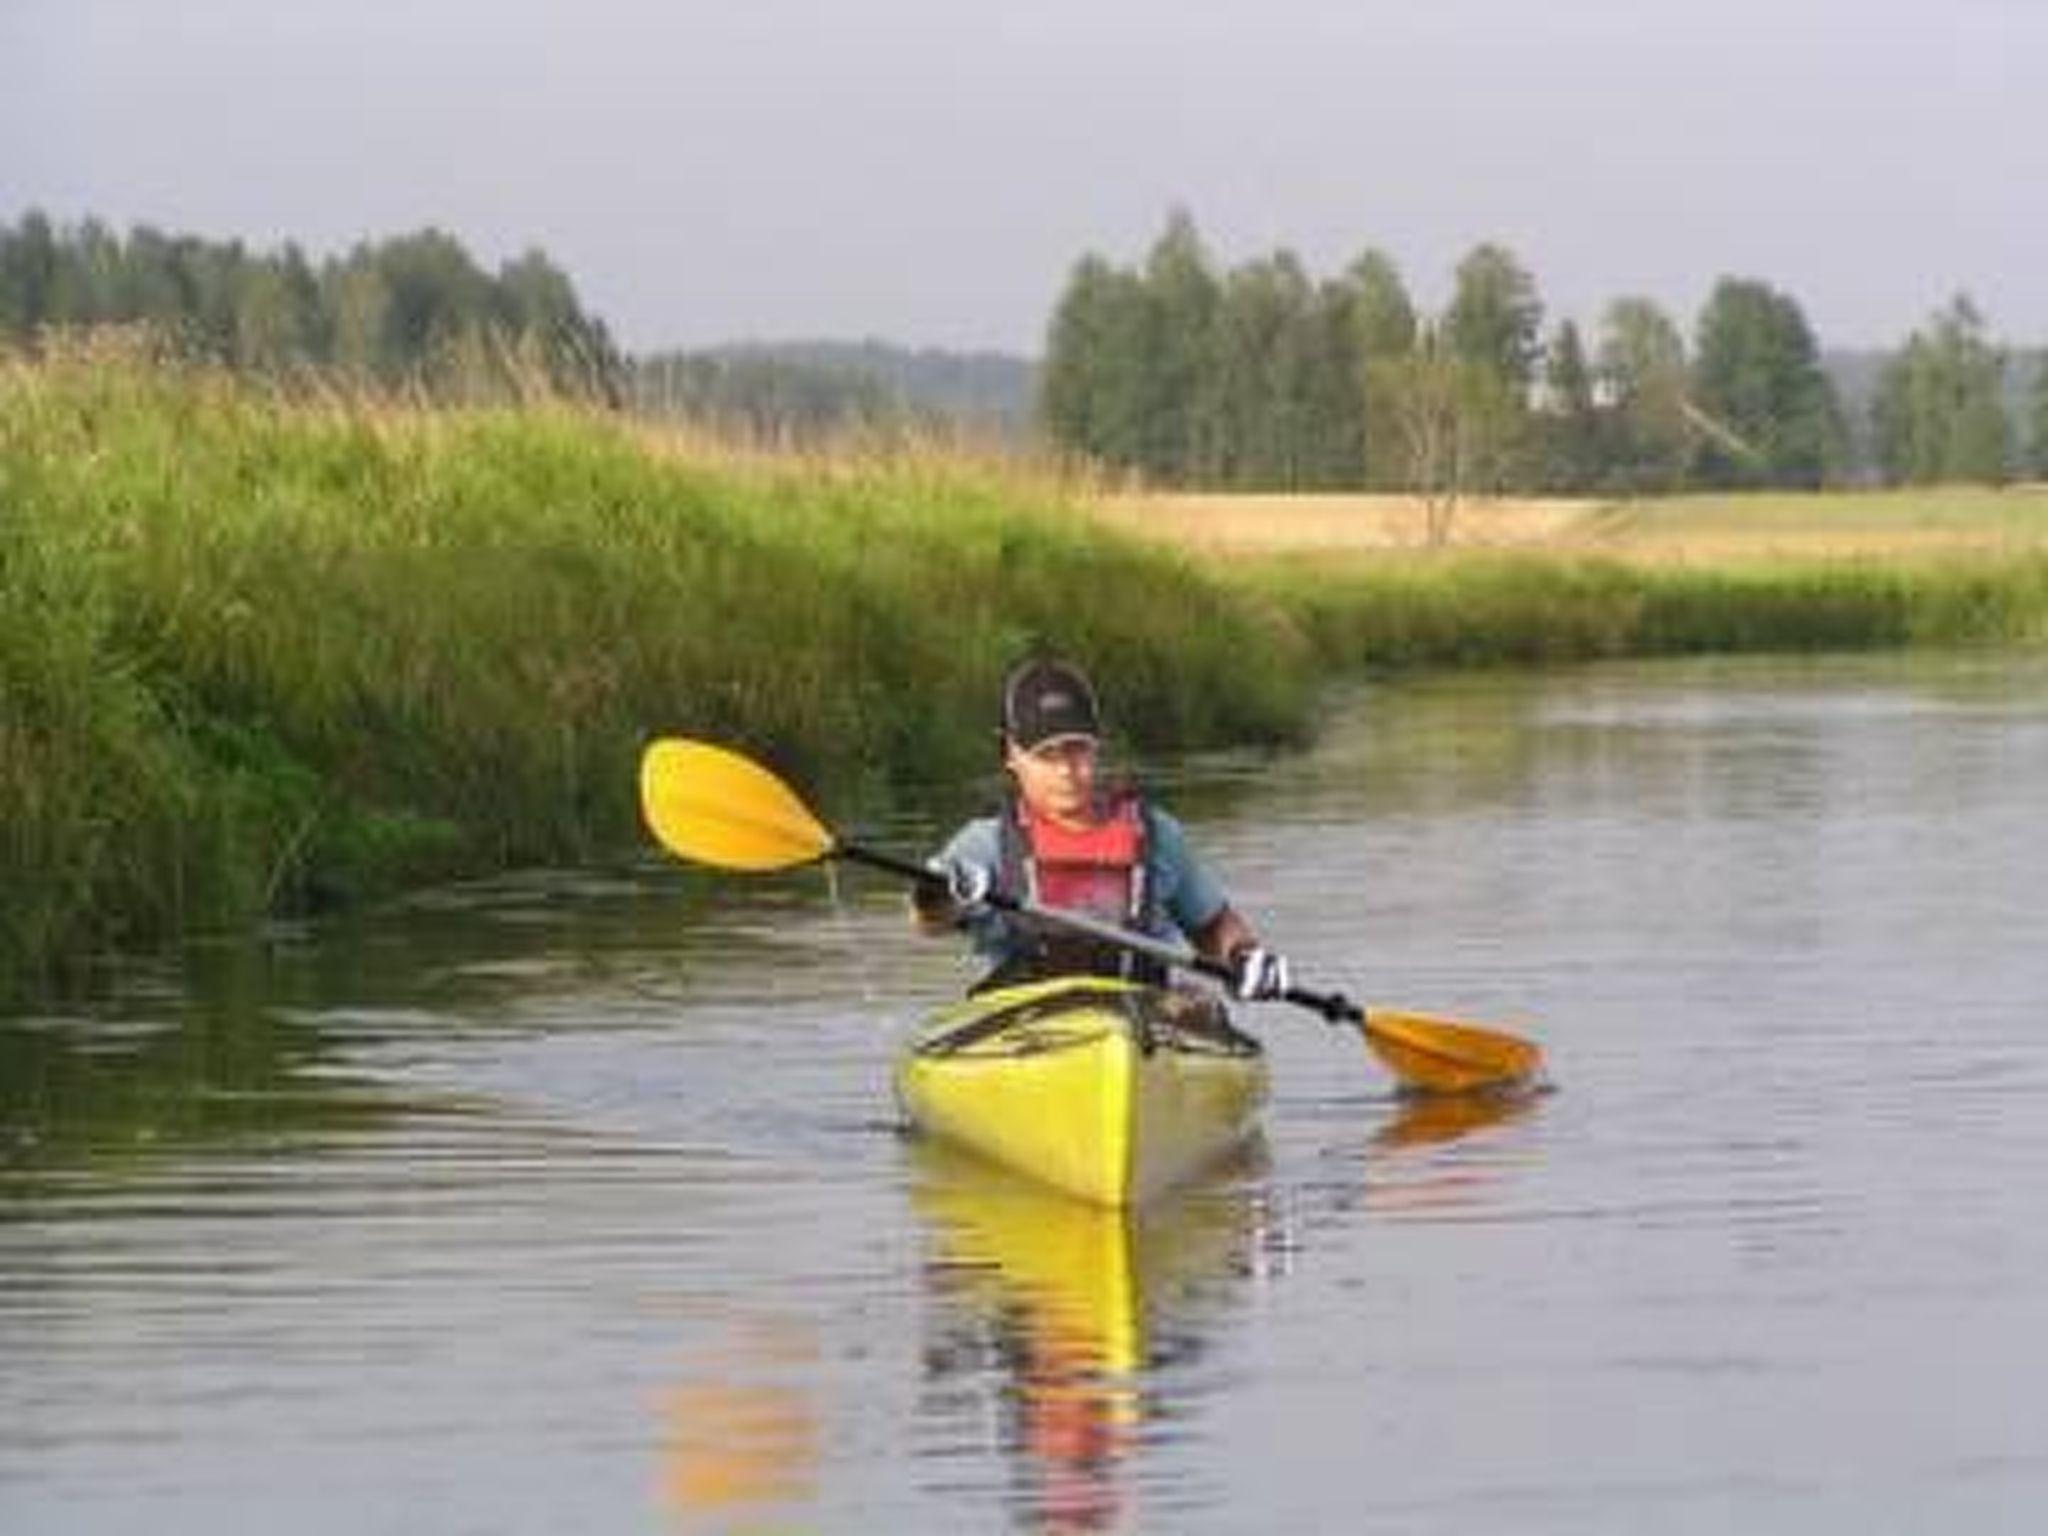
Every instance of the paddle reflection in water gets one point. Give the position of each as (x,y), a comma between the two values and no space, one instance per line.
(741,1434)
(1405,1176)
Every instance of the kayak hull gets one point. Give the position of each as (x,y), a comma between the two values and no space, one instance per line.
(1108,1091)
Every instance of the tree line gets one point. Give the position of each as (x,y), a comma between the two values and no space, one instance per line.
(413,311)
(1264,377)
(803,394)
(417,312)
(1258,377)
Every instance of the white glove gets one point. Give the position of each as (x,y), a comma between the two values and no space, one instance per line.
(969,886)
(1260,974)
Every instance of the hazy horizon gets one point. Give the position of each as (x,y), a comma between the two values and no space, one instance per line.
(927,173)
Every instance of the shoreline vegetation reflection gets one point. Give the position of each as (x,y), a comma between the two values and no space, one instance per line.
(215,1063)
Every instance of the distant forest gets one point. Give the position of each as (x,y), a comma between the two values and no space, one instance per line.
(1176,370)
(1265,377)
(810,391)
(410,312)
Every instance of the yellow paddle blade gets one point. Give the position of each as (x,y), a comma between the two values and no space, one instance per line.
(1441,1056)
(717,807)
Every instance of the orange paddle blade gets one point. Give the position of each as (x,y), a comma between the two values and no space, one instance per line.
(716,807)
(1442,1056)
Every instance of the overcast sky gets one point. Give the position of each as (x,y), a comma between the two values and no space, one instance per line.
(927,171)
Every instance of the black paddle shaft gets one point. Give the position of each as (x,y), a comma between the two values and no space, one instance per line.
(1334,1007)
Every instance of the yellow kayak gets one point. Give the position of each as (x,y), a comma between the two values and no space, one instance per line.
(1104,1089)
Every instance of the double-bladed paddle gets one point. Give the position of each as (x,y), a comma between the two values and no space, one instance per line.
(714,806)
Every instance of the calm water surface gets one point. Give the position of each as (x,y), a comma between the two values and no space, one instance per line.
(575,1203)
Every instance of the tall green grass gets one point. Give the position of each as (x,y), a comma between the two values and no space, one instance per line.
(1494,609)
(258,655)
(261,654)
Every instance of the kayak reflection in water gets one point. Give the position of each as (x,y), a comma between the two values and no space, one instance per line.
(1060,1336)
(1066,839)
(1058,1314)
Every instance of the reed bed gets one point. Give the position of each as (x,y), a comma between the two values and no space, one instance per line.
(1512,609)
(260,655)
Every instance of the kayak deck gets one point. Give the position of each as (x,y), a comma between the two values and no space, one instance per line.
(1104,1089)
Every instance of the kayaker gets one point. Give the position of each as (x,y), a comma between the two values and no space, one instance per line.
(1064,838)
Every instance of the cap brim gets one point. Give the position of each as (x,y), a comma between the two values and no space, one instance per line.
(1057,737)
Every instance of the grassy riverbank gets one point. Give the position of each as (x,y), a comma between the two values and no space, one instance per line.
(1555,581)
(260,655)
(1481,609)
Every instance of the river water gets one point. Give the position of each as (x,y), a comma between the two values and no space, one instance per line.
(575,1202)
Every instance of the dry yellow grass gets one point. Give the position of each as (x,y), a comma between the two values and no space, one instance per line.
(1763,527)
(1277,523)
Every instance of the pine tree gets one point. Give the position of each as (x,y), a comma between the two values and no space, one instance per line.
(1643,386)
(1939,413)
(1493,328)
(1093,388)
(1181,431)
(1495,318)
(1383,325)
(1767,413)
(1571,434)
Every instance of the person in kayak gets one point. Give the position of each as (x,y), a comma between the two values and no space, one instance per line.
(1066,839)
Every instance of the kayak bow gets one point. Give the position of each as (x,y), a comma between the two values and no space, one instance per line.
(1107,1090)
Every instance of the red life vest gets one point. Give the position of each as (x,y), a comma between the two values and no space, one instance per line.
(1098,870)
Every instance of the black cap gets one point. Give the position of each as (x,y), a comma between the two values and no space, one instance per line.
(1043,700)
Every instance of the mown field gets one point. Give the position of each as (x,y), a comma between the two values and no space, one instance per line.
(1250,524)
(263,654)
(1704,528)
